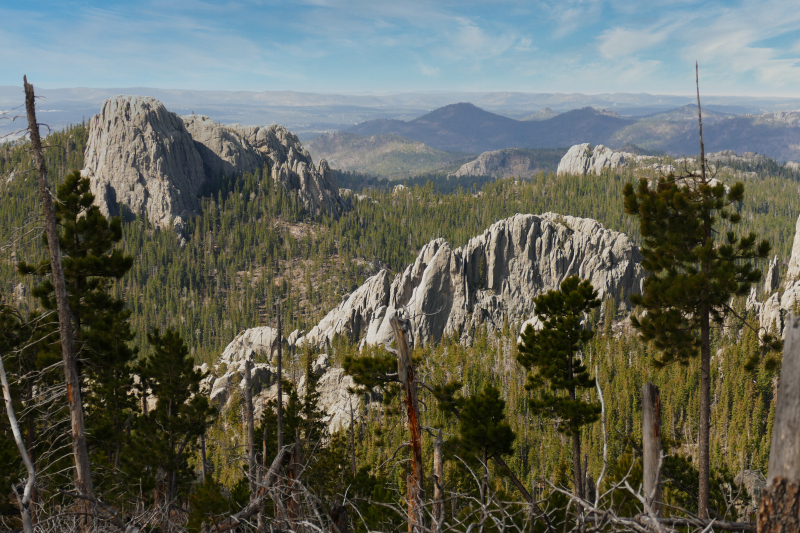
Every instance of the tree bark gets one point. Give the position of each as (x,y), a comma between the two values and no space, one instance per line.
(203,460)
(280,383)
(780,502)
(438,481)
(651,441)
(27,495)
(405,373)
(251,432)
(83,473)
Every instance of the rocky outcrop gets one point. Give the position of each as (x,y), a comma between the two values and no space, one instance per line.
(581,160)
(259,346)
(293,168)
(493,278)
(499,164)
(140,155)
(223,151)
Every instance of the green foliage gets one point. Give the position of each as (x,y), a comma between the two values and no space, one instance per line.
(484,430)
(207,504)
(551,355)
(180,416)
(694,273)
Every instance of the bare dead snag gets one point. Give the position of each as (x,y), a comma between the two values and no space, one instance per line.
(280,382)
(651,440)
(27,495)
(780,502)
(251,433)
(264,491)
(83,473)
(405,374)
(438,480)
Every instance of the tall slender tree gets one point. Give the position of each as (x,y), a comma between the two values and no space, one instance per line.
(695,270)
(552,355)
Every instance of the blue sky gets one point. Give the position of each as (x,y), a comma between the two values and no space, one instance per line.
(357,46)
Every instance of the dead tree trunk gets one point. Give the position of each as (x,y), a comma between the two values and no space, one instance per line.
(280,383)
(295,468)
(27,495)
(251,432)
(779,511)
(651,441)
(339,522)
(405,373)
(203,459)
(438,484)
(83,473)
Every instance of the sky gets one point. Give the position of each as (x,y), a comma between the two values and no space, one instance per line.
(374,46)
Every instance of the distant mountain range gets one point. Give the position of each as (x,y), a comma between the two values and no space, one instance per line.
(309,114)
(388,156)
(465,127)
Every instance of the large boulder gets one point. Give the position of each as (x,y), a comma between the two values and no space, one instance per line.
(140,155)
(491,280)
(499,164)
(582,159)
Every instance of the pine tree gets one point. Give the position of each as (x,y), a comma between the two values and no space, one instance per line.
(180,416)
(551,356)
(484,430)
(91,262)
(695,270)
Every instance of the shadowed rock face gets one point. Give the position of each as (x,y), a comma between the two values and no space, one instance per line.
(140,155)
(493,278)
(144,157)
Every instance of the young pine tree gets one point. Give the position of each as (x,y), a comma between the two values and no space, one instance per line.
(91,264)
(484,430)
(551,356)
(695,270)
(180,416)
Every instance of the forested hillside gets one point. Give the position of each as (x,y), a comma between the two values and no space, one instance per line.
(254,244)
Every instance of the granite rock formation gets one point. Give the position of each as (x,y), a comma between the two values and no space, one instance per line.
(493,278)
(140,155)
(144,157)
(223,151)
(499,164)
(260,346)
(582,159)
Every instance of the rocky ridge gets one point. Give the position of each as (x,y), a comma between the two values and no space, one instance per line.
(499,164)
(151,160)
(492,279)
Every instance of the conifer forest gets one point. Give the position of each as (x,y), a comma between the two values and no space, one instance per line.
(529,426)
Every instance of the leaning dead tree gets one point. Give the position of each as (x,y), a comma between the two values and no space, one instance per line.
(405,373)
(83,474)
(24,500)
(779,511)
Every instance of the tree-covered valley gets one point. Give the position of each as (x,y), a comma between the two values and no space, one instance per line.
(255,244)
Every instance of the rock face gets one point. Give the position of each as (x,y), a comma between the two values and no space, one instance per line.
(493,278)
(499,164)
(152,161)
(581,160)
(223,151)
(140,155)
(260,345)
(293,168)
